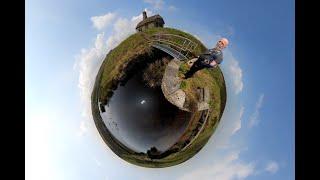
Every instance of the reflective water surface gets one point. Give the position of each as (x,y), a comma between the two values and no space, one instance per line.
(140,117)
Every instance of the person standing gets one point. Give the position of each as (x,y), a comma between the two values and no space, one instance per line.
(210,59)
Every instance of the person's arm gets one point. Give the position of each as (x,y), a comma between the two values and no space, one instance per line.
(206,53)
(213,63)
(216,57)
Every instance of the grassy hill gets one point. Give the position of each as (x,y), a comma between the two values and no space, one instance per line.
(116,66)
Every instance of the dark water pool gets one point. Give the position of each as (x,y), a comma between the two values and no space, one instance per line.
(140,117)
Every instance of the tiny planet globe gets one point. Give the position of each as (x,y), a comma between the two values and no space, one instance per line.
(143,108)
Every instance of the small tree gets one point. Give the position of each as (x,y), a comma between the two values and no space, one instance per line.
(153,74)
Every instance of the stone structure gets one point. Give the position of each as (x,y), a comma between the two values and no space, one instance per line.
(203,99)
(149,22)
(171,85)
(171,88)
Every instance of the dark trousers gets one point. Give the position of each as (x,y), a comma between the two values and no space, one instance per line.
(197,65)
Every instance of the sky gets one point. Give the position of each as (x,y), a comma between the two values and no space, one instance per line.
(66,42)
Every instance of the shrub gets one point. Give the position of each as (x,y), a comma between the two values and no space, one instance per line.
(153,74)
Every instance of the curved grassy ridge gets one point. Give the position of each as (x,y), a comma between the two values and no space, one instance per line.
(110,71)
(135,45)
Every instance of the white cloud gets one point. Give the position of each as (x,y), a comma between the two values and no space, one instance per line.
(226,168)
(122,28)
(88,63)
(172,8)
(229,125)
(234,71)
(101,22)
(98,163)
(157,4)
(272,167)
(237,124)
(83,128)
(254,118)
(90,59)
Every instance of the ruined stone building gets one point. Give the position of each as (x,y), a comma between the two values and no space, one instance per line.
(149,22)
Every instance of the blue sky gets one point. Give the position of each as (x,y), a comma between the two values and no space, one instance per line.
(67,40)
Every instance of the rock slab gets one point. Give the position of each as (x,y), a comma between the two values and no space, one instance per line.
(171,88)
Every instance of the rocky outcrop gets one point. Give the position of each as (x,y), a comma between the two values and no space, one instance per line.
(171,88)
(171,85)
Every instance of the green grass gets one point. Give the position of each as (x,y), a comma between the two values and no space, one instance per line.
(112,68)
(183,85)
(213,79)
(136,44)
(183,69)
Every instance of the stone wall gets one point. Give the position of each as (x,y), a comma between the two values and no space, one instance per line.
(171,88)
